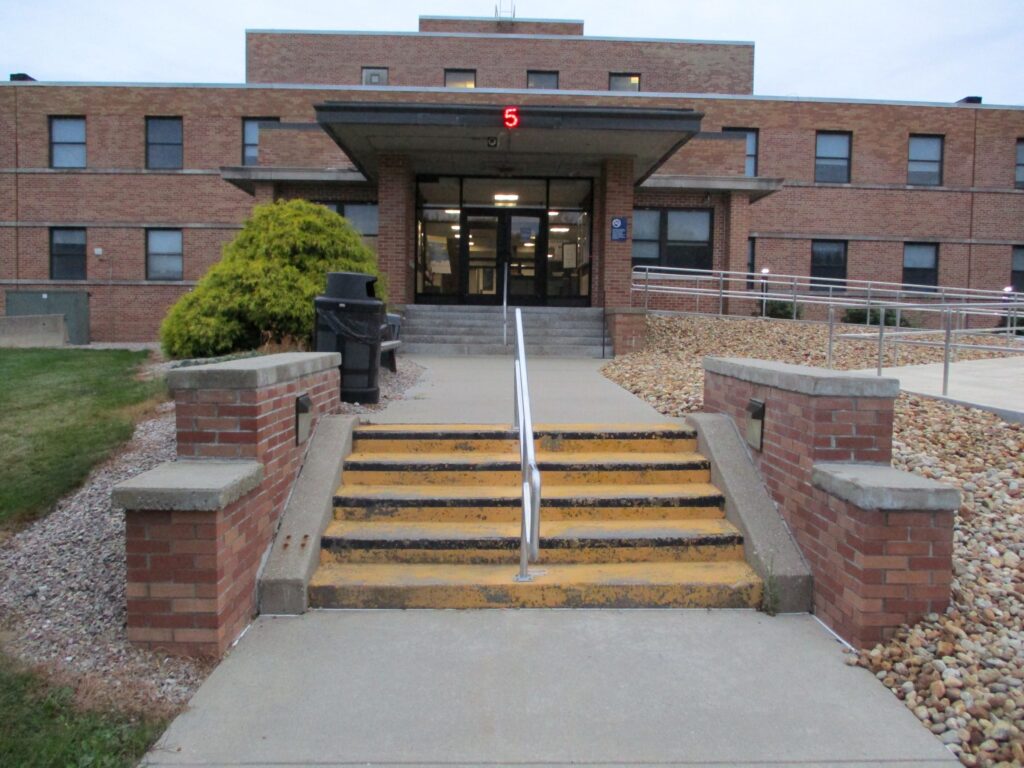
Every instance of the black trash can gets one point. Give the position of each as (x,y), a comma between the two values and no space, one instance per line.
(348,320)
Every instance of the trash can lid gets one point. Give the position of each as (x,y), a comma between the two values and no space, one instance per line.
(350,285)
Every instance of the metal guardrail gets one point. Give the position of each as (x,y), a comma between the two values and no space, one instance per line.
(529,543)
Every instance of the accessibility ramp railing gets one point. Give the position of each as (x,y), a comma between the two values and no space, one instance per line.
(529,544)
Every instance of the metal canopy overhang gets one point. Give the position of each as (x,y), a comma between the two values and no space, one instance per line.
(470,139)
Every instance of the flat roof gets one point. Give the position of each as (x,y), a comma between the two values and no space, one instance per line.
(501,19)
(497,35)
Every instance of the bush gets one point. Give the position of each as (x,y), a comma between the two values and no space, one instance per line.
(780,310)
(263,287)
(855,316)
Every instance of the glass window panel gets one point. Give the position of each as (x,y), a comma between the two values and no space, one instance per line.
(364,217)
(1018,258)
(164,241)
(926,148)
(833,145)
(547,80)
(68,129)
(65,267)
(751,142)
(646,225)
(69,156)
(688,256)
(692,226)
(923,173)
(67,254)
(1020,174)
(828,260)
(164,266)
(250,154)
(442,191)
(460,78)
(832,170)
(330,205)
(504,193)
(251,131)
(919,256)
(1020,151)
(624,82)
(164,130)
(69,237)
(645,251)
(750,166)
(566,193)
(163,156)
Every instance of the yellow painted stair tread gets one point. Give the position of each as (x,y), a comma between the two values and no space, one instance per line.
(469,458)
(584,427)
(512,492)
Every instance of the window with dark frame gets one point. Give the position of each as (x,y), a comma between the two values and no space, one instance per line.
(828,260)
(67,253)
(251,138)
(1017,268)
(1019,177)
(164,143)
(164,260)
(623,81)
(924,160)
(750,162)
(375,76)
(364,217)
(538,79)
(67,142)
(921,264)
(672,238)
(832,157)
(460,78)
(751,261)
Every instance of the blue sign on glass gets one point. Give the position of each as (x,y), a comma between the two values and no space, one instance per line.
(620,228)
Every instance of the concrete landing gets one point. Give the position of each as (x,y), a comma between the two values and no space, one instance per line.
(991,385)
(466,390)
(548,687)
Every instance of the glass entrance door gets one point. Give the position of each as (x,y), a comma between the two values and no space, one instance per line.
(496,244)
(479,238)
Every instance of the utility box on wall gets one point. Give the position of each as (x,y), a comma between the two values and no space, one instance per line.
(74,305)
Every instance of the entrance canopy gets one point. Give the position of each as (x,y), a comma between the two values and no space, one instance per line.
(477,139)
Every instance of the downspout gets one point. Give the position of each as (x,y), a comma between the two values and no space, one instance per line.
(17,185)
(974,185)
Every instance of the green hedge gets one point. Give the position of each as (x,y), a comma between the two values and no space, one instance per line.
(855,316)
(263,287)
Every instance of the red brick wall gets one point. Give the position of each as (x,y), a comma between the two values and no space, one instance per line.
(710,154)
(395,242)
(192,575)
(500,26)
(616,258)
(305,147)
(873,570)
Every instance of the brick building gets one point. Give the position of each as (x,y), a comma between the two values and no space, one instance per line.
(116,198)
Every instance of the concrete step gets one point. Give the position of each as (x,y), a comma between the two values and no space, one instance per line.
(456,336)
(495,321)
(413,310)
(562,541)
(500,350)
(730,584)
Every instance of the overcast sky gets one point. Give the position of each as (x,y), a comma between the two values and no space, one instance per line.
(921,50)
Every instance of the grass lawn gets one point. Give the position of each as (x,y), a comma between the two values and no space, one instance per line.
(40,726)
(61,412)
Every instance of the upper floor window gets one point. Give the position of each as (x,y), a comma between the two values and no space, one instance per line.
(624,81)
(375,76)
(364,217)
(1017,268)
(67,254)
(164,254)
(921,264)
(1019,181)
(672,238)
(750,162)
(460,78)
(832,157)
(537,79)
(828,260)
(164,142)
(924,160)
(251,138)
(67,142)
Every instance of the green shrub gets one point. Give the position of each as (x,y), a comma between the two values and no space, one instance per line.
(263,287)
(780,310)
(855,316)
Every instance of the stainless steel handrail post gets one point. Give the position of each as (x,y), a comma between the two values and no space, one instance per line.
(831,331)
(529,545)
(504,308)
(721,293)
(881,338)
(948,316)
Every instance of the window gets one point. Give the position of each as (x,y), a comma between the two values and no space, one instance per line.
(536,79)
(375,75)
(67,254)
(67,142)
(750,167)
(832,157)
(751,262)
(460,78)
(924,164)
(163,254)
(672,238)
(1019,179)
(163,142)
(251,138)
(364,217)
(828,260)
(623,81)
(1017,268)
(921,264)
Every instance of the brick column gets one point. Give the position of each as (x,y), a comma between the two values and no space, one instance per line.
(396,190)
(197,528)
(879,541)
(616,263)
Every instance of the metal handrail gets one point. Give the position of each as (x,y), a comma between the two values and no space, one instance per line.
(529,543)
(504,308)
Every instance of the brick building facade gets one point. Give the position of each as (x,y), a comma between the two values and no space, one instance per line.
(127,192)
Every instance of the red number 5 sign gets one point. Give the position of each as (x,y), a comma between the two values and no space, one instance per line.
(511,117)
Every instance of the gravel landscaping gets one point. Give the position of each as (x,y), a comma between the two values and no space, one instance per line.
(961,673)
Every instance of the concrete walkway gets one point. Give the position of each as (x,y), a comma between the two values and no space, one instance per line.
(547,687)
(478,390)
(992,385)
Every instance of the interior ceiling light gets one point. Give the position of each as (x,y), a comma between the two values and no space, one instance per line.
(456,227)
(552,213)
(558,229)
(505,197)
(528,245)
(452,211)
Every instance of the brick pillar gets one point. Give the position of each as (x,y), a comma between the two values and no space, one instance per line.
(737,244)
(616,263)
(396,190)
(264,192)
(879,542)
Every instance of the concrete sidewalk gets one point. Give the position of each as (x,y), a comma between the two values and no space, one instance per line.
(478,390)
(545,687)
(992,385)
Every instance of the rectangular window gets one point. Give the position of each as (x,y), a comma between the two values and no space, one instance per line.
(67,142)
(623,81)
(1019,178)
(375,75)
(750,165)
(67,254)
(537,79)
(460,78)
(921,264)
(163,254)
(828,260)
(251,138)
(924,160)
(832,157)
(672,238)
(164,143)
(751,262)
(1017,268)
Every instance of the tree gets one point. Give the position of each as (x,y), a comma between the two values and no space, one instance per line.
(263,287)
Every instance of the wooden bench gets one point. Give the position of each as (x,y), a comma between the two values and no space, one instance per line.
(390,333)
